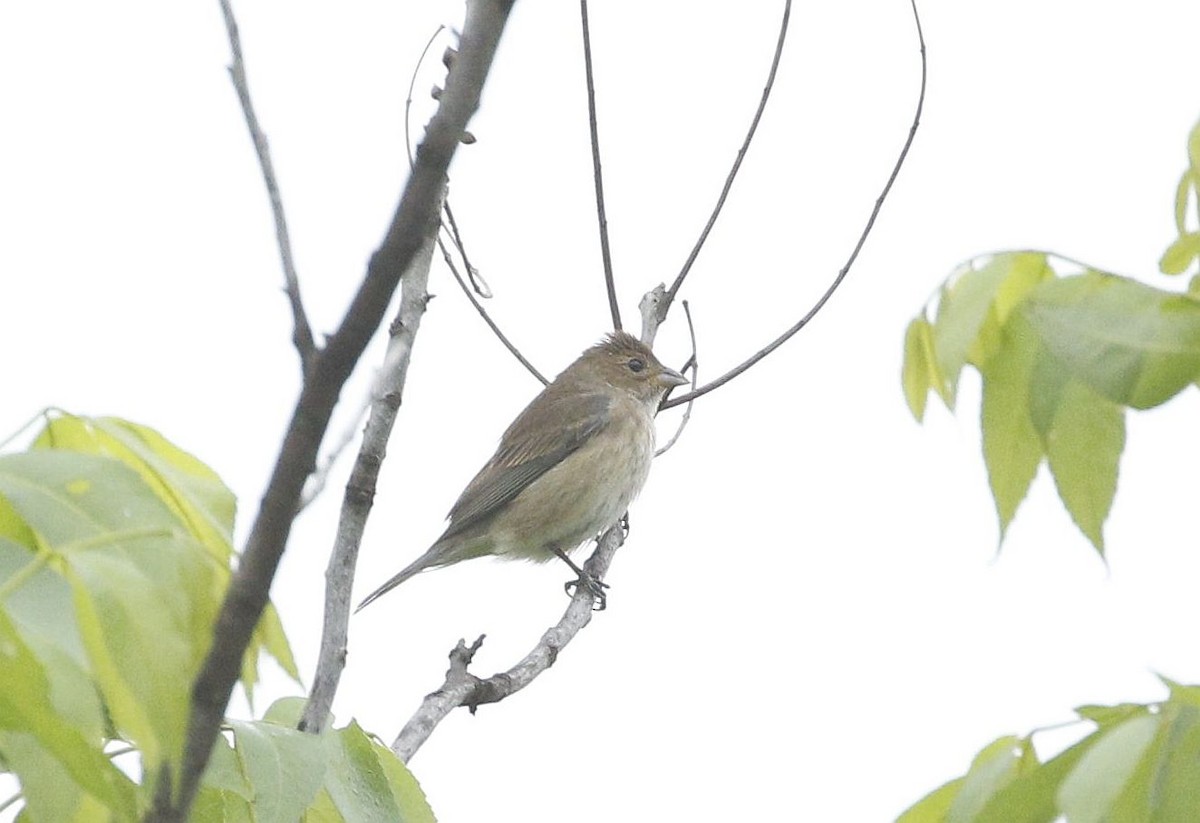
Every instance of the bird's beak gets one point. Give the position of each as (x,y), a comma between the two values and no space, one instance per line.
(672,378)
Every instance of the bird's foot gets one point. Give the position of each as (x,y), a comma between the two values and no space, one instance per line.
(592,586)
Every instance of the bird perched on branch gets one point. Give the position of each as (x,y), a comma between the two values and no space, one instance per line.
(567,468)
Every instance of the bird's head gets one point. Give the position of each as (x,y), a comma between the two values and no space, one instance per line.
(624,362)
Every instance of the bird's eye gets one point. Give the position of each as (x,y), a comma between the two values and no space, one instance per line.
(636,364)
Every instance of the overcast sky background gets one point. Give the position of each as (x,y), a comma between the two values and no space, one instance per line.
(809,620)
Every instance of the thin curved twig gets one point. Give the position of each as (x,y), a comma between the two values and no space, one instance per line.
(302,336)
(412,82)
(487,318)
(480,285)
(837,281)
(694,364)
(665,305)
(597,175)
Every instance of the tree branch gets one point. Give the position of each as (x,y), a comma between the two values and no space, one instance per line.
(597,175)
(360,490)
(415,219)
(464,689)
(862,239)
(665,305)
(302,336)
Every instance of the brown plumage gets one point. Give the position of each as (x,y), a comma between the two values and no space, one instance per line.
(567,467)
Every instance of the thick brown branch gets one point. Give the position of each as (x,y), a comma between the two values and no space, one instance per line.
(415,219)
(665,305)
(862,239)
(597,175)
(302,336)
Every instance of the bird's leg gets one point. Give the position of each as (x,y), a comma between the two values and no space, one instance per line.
(590,584)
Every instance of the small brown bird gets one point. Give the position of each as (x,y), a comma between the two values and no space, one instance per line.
(567,467)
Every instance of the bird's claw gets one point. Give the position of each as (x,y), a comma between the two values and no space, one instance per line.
(593,587)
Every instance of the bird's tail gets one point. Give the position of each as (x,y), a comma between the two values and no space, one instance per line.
(441,553)
(419,565)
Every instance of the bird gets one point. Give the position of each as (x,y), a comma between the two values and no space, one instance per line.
(566,468)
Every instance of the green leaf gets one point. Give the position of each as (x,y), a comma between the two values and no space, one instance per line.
(1171,785)
(935,806)
(1182,693)
(1193,147)
(224,771)
(963,307)
(34,733)
(975,305)
(284,767)
(1047,382)
(1134,344)
(414,807)
(364,781)
(1089,791)
(1187,181)
(1111,715)
(215,806)
(1180,254)
(286,711)
(38,602)
(1083,449)
(1012,449)
(142,593)
(269,634)
(1031,797)
(189,488)
(322,810)
(919,373)
(201,503)
(992,769)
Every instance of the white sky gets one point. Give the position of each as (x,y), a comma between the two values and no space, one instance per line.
(809,621)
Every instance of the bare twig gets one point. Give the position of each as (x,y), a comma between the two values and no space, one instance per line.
(480,285)
(694,364)
(862,239)
(302,336)
(315,484)
(415,219)
(651,316)
(464,689)
(412,81)
(486,317)
(360,490)
(601,214)
(665,305)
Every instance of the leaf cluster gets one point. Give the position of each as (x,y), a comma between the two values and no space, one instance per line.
(115,554)
(1061,357)
(1140,762)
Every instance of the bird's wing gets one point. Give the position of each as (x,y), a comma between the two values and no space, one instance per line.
(552,427)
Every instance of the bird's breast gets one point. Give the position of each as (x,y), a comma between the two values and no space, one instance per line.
(585,493)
